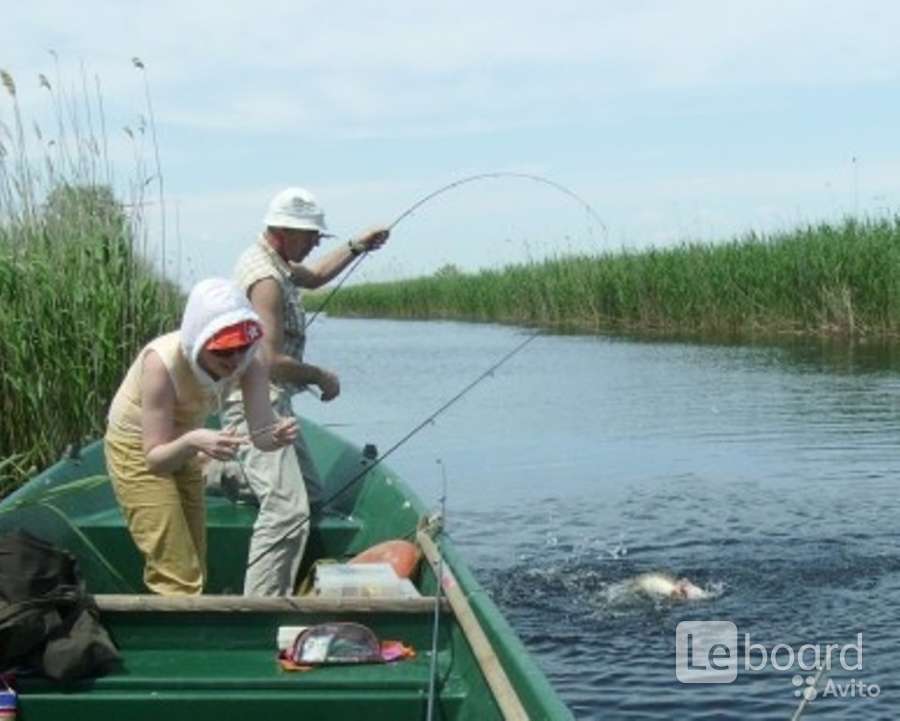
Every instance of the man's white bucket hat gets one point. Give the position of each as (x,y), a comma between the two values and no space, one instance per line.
(296,208)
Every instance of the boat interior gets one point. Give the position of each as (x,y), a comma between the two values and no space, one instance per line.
(184,657)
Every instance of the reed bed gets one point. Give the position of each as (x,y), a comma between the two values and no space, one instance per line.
(78,297)
(834,279)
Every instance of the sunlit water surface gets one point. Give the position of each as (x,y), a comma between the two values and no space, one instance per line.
(766,474)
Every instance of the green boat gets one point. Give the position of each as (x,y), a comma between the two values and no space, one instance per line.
(214,656)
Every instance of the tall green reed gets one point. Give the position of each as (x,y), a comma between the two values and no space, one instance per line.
(832,279)
(78,296)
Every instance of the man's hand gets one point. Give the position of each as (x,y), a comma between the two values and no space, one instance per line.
(329,384)
(318,273)
(372,239)
(284,432)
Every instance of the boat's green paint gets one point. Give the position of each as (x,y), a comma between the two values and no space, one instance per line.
(216,666)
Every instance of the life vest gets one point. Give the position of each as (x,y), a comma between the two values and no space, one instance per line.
(402,555)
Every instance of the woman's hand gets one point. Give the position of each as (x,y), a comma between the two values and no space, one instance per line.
(221,445)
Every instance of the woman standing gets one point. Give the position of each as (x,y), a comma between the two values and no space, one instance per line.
(155,437)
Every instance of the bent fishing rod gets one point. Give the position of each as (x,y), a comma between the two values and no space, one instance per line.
(446,188)
(377,461)
(431,418)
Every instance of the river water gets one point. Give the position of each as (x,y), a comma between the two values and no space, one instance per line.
(767,474)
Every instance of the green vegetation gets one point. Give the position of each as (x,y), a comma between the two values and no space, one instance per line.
(77,298)
(824,279)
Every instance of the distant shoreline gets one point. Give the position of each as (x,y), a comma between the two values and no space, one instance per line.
(835,280)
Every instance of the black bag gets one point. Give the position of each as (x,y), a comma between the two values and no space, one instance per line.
(32,568)
(47,620)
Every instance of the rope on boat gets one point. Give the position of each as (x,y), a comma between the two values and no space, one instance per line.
(450,186)
(80,484)
(90,545)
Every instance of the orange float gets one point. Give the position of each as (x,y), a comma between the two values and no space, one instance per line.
(402,555)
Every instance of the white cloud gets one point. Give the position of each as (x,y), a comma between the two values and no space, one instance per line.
(316,72)
(341,66)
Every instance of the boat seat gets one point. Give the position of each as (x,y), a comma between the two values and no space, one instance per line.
(253,684)
(155,669)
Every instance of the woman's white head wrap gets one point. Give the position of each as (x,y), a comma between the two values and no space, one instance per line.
(213,304)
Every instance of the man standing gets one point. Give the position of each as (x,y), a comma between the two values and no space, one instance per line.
(270,272)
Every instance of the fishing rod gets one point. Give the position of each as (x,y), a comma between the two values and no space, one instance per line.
(431,418)
(377,461)
(450,186)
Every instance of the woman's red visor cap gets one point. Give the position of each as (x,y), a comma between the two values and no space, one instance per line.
(239,335)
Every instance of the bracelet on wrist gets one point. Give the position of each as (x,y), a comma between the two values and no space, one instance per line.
(356,248)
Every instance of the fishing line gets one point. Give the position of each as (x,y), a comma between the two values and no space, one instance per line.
(450,186)
(428,421)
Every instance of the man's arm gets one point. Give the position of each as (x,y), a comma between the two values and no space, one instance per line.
(267,432)
(266,298)
(317,274)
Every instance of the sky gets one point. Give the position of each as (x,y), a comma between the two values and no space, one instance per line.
(675,121)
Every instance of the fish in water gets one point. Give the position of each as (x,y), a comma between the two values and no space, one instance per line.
(664,585)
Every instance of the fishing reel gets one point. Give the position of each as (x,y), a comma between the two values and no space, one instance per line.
(431,523)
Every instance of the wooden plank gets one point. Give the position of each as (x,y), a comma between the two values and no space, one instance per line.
(119,603)
(507,698)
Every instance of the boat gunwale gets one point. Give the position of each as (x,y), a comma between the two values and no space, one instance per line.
(130,603)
